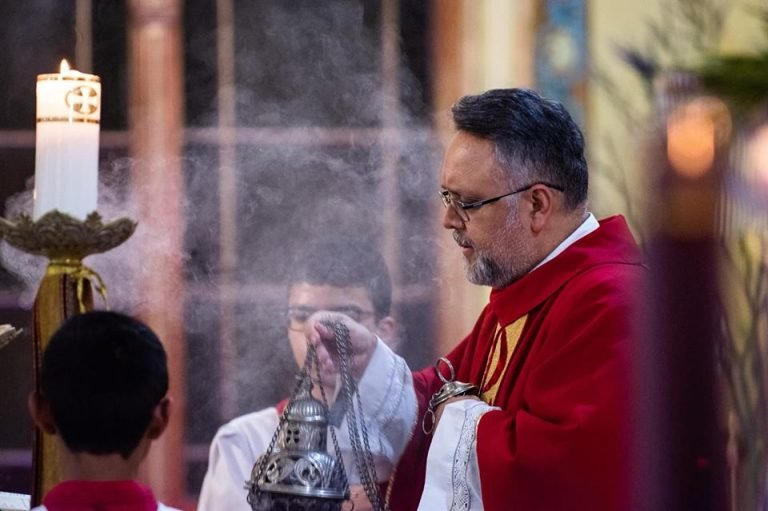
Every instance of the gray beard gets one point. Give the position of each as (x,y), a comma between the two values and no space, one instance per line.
(485,272)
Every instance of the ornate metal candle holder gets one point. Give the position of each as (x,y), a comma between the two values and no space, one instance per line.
(61,237)
(64,291)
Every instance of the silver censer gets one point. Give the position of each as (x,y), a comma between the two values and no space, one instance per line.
(299,474)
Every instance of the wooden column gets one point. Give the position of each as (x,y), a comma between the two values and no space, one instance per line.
(477,45)
(225,58)
(459,300)
(389,140)
(156,129)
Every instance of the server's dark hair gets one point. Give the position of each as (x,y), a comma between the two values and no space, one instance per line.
(103,374)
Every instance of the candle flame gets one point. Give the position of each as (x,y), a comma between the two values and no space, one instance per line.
(64,67)
(694,132)
(691,143)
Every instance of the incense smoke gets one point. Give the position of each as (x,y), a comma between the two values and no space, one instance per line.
(309,68)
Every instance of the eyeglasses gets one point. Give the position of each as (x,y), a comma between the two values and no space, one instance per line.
(297,316)
(462,208)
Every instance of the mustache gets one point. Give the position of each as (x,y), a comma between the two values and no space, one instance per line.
(461,240)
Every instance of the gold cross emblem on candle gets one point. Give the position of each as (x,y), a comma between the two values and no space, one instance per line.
(83,99)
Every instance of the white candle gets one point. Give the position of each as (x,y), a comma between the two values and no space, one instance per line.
(67,142)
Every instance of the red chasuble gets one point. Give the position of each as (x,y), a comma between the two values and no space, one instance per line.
(552,350)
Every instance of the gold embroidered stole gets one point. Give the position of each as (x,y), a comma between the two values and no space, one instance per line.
(504,342)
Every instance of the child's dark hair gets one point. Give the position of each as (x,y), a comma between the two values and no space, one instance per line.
(103,374)
(346,262)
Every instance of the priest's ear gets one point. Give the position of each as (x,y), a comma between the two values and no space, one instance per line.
(40,410)
(542,206)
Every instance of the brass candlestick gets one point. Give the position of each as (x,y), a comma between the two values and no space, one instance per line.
(64,291)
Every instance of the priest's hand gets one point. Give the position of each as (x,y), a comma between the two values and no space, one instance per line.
(320,334)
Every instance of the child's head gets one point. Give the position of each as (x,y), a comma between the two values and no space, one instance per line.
(340,274)
(103,384)
(346,262)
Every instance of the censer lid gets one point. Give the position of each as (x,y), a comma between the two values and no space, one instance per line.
(305,408)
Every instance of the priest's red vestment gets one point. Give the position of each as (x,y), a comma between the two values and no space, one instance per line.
(552,350)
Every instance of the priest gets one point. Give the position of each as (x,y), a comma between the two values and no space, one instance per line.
(548,426)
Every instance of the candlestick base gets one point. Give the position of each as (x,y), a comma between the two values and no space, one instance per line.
(58,236)
(66,290)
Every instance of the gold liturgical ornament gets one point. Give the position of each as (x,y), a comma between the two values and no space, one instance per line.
(59,236)
(65,241)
